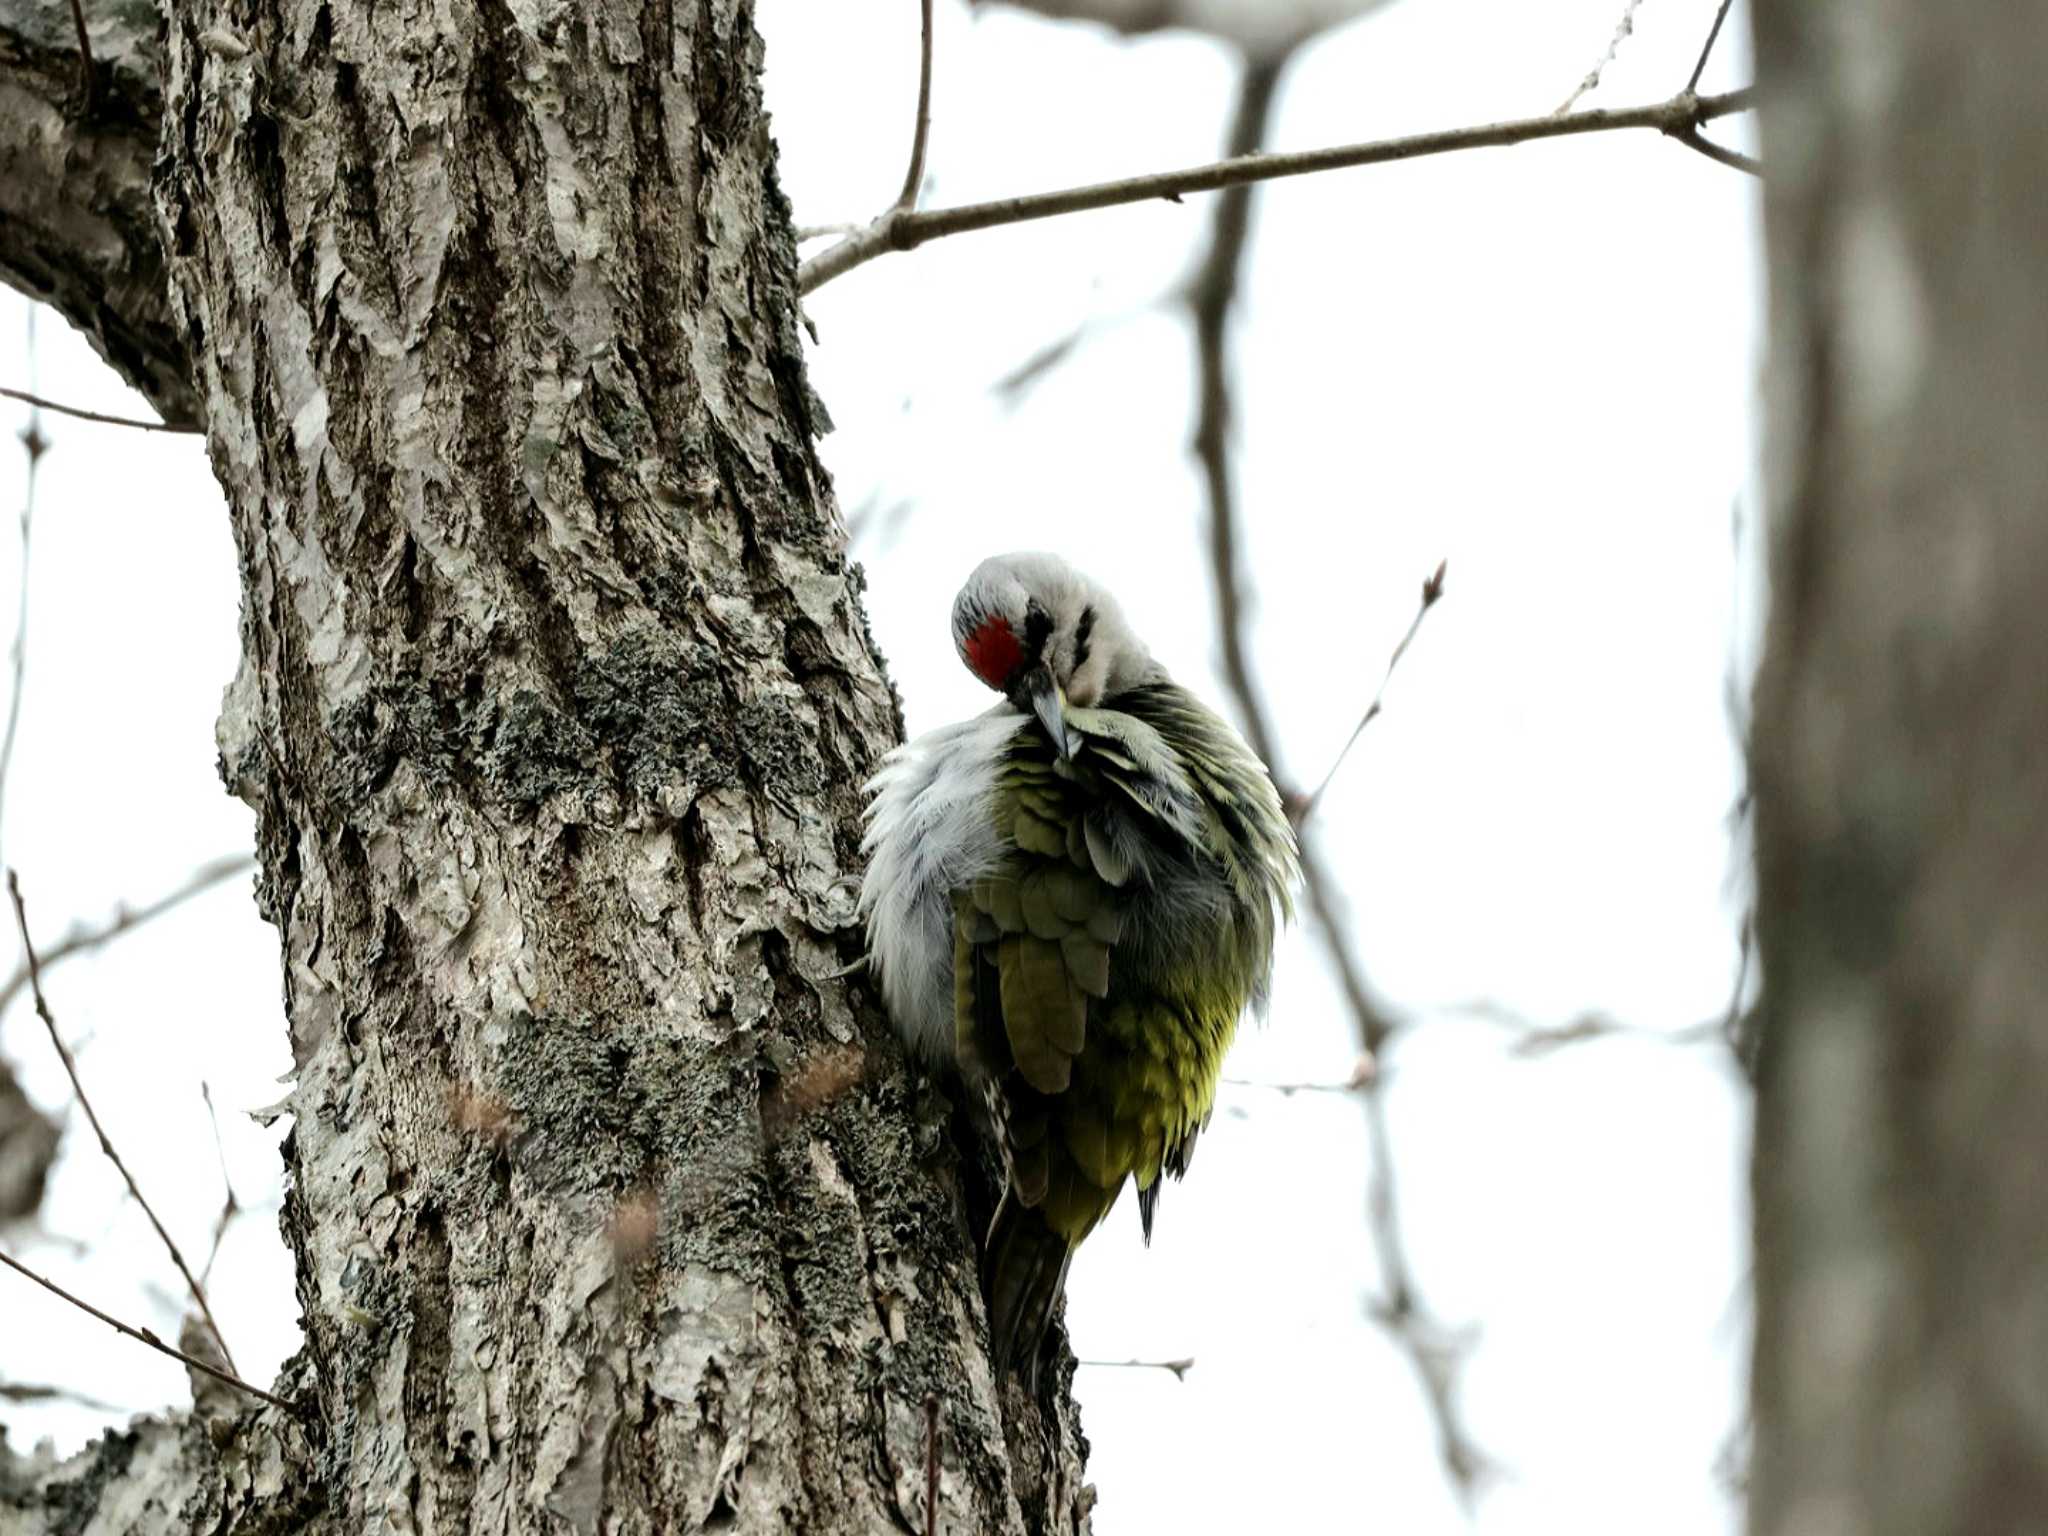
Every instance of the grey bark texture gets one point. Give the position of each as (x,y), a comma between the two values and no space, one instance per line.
(77,227)
(613,1205)
(1901,773)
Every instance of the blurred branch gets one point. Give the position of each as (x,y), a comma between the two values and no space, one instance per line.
(26,397)
(30,1392)
(1257,29)
(1363,1072)
(34,445)
(1180,1368)
(1211,296)
(84,940)
(1624,29)
(28,1145)
(144,1336)
(902,229)
(1432,589)
(1725,1028)
(35,981)
(230,1206)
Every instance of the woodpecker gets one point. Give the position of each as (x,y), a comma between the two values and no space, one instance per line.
(1070,902)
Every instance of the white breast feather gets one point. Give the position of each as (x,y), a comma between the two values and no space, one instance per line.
(930,831)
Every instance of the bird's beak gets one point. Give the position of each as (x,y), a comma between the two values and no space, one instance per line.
(1042,693)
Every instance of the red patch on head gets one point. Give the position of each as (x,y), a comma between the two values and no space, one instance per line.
(992,652)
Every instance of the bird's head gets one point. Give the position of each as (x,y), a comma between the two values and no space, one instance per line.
(1043,635)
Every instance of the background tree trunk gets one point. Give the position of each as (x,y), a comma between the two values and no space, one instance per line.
(1901,1174)
(613,1207)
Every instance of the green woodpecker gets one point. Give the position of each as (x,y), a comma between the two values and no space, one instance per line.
(1071,900)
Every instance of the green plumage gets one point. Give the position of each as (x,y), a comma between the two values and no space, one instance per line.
(1100,970)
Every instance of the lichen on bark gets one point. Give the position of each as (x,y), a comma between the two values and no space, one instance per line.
(611,1198)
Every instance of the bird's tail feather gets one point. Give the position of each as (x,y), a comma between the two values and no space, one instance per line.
(1024,1271)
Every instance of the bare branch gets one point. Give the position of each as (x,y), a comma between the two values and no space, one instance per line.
(1707,50)
(88,76)
(904,230)
(230,1206)
(183,429)
(144,1336)
(914,177)
(34,445)
(84,940)
(35,1392)
(1180,1368)
(106,1144)
(1734,159)
(1211,297)
(1624,29)
(1432,589)
(1364,1073)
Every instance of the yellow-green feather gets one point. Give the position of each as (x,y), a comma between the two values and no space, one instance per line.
(1102,1072)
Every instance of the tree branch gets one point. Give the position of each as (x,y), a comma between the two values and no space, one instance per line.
(903,230)
(78,224)
(1699,67)
(1624,29)
(144,1335)
(1211,296)
(1432,589)
(1734,159)
(34,445)
(81,941)
(35,981)
(43,404)
(914,177)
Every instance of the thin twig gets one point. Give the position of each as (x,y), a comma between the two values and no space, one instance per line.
(1432,589)
(1180,1368)
(145,1336)
(127,919)
(931,1422)
(27,397)
(35,1392)
(1623,30)
(1734,159)
(35,980)
(1364,1073)
(88,76)
(1211,298)
(904,230)
(1713,35)
(914,177)
(35,445)
(1533,1039)
(230,1206)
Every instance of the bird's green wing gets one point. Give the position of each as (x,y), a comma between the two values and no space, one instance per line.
(1096,1072)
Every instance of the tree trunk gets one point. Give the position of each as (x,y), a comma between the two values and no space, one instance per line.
(614,1207)
(1901,759)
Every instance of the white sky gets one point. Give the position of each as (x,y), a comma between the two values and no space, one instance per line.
(1537,362)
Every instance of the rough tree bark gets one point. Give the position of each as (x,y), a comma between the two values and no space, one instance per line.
(614,1209)
(1901,760)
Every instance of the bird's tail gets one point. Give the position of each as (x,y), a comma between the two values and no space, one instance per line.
(1024,1270)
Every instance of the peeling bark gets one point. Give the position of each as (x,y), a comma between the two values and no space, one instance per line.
(614,1205)
(1901,771)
